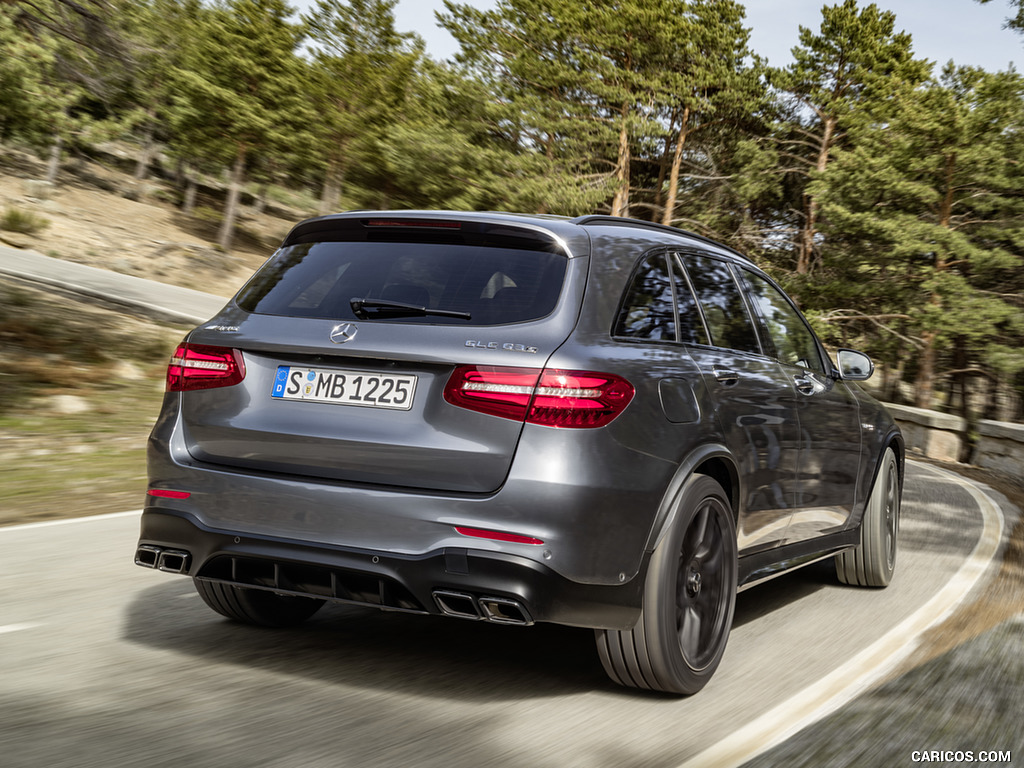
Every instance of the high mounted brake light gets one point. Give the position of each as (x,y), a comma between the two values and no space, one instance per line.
(552,398)
(414,223)
(201,366)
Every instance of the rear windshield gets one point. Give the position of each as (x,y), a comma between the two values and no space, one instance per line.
(492,285)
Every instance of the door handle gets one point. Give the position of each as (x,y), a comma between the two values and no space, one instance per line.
(805,385)
(726,376)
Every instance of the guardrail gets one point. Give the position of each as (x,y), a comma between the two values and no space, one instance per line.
(997,445)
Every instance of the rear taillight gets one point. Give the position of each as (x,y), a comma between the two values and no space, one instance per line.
(200,366)
(552,398)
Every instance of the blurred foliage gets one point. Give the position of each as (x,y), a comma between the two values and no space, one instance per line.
(25,222)
(882,194)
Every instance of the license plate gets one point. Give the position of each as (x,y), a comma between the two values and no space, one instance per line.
(363,388)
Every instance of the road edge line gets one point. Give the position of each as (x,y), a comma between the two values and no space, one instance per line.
(8,628)
(68,521)
(854,677)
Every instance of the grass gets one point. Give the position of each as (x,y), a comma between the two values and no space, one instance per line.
(24,222)
(55,465)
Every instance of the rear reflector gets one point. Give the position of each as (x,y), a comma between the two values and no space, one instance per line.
(200,366)
(165,494)
(515,538)
(553,398)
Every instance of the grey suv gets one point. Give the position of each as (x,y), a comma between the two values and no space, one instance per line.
(596,422)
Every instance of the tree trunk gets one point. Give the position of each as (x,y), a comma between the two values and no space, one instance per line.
(53,167)
(924,384)
(620,203)
(227,227)
(659,185)
(330,194)
(260,204)
(962,379)
(188,205)
(146,153)
(808,234)
(677,164)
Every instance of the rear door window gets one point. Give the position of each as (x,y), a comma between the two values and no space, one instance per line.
(788,332)
(725,312)
(494,285)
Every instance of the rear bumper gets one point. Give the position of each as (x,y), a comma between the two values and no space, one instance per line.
(458,581)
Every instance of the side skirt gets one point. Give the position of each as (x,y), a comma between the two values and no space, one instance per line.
(762,566)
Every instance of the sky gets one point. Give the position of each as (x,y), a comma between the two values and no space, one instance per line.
(941,30)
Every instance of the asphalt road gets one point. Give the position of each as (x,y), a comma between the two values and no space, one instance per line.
(160,301)
(106,664)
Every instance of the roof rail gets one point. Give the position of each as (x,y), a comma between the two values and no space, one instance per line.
(623,221)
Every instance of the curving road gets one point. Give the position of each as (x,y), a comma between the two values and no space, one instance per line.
(106,664)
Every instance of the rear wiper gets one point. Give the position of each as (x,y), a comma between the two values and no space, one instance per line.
(400,308)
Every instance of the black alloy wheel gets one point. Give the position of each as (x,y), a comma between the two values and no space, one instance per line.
(689,600)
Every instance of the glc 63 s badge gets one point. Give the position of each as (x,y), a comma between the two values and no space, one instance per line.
(508,346)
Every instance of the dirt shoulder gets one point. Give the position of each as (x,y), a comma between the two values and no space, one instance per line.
(100,216)
(81,384)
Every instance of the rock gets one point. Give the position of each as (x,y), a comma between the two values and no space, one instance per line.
(69,405)
(123,265)
(37,188)
(127,371)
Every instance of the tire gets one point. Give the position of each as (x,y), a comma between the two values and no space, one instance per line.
(256,606)
(688,603)
(873,561)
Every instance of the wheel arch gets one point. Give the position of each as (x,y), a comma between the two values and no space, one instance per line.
(893,439)
(713,460)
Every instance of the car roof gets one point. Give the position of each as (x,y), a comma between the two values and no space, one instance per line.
(574,235)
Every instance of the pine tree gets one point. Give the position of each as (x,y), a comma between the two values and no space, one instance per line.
(847,73)
(709,91)
(581,85)
(239,91)
(361,74)
(925,224)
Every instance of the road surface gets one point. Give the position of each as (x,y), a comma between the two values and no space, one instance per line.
(103,663)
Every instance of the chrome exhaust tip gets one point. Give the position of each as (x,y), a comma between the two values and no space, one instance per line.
(173,561)
(501,610)
(457,604)
(147,556)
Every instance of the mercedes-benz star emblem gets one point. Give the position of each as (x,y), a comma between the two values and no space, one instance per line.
(344,332)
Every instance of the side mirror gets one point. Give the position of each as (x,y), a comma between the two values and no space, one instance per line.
(854,366)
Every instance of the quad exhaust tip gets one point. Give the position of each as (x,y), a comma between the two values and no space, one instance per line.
(501,610)
(167,560)
(457,604)
(497,610)
(147,556)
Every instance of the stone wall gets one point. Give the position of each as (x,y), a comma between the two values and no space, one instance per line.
(940,436)
(1000,447)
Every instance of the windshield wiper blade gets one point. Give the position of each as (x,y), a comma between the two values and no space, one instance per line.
(399,308)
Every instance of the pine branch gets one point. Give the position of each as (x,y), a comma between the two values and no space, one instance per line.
(849,315)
